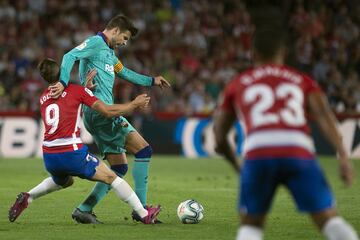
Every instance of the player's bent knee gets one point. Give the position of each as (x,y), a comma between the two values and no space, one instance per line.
(120,169)
(107,178)
(146,152)
(322,217)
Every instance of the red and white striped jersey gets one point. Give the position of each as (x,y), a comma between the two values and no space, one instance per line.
(61,118)
(270,100)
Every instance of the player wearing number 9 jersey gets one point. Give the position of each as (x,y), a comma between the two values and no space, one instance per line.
(273,102)
(64,153)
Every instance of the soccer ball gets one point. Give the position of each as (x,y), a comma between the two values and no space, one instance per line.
(190,211)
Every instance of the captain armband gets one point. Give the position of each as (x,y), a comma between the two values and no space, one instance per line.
(118,67)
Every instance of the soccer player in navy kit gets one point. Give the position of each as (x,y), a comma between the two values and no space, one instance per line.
(64,153)
(273,101)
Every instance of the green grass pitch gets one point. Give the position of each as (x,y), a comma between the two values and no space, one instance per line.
(172,180)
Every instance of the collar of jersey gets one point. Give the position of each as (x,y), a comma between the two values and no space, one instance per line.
(102,35)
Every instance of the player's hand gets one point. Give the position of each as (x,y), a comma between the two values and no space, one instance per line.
(141,101)
(89,79)
(56,90)
(161,82)
(346,170)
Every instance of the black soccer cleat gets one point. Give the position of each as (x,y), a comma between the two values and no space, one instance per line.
(84,217)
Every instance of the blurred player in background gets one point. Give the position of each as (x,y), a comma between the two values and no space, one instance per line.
(65,155)
(112,136)
(273,102)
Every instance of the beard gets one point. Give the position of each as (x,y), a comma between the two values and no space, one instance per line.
(112,44)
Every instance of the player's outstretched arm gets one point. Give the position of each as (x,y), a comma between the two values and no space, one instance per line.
(137,78)
(114,110)
(223,121)
(324,117)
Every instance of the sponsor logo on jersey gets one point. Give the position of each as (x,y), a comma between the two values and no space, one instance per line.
(109,68)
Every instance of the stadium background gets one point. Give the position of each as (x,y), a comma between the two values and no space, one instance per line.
(197,45)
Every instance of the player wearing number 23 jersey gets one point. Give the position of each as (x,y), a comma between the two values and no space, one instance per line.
(274,101)
(271,102)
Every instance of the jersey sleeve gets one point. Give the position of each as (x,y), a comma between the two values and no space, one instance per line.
(131,76)
(310,85)
(86,49)
(227,98)
(87,96)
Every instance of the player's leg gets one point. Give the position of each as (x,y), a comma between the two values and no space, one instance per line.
(258,183)
(125,192)
(119,165)
(333,226)
(50,185)
(313,195)
(47,186)
(251,227)
(58,180)
(122,189)
(110,140)
(142,151)
(137,145)
(96,170)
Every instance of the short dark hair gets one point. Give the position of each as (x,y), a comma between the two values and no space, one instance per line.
(49,70)
(123,23)
(270,31)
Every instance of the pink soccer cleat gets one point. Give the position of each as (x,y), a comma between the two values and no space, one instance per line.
(152,215)
(19,206)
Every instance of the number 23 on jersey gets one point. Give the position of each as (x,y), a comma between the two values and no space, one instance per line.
(263,98)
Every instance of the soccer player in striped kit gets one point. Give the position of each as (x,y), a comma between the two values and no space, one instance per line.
(64,153)
(273,102)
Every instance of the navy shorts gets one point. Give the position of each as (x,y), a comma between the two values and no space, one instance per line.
(77,163)
(303,178)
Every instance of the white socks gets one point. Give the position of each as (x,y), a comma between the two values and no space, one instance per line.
(45,187)
(338,229)
(125,192)
(120,186)
(335,229)
(247,232)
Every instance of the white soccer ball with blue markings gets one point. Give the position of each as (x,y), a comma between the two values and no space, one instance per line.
(190,211)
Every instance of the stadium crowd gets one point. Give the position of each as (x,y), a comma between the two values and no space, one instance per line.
(197,45)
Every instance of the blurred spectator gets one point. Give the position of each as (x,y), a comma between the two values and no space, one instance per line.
(198,45)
